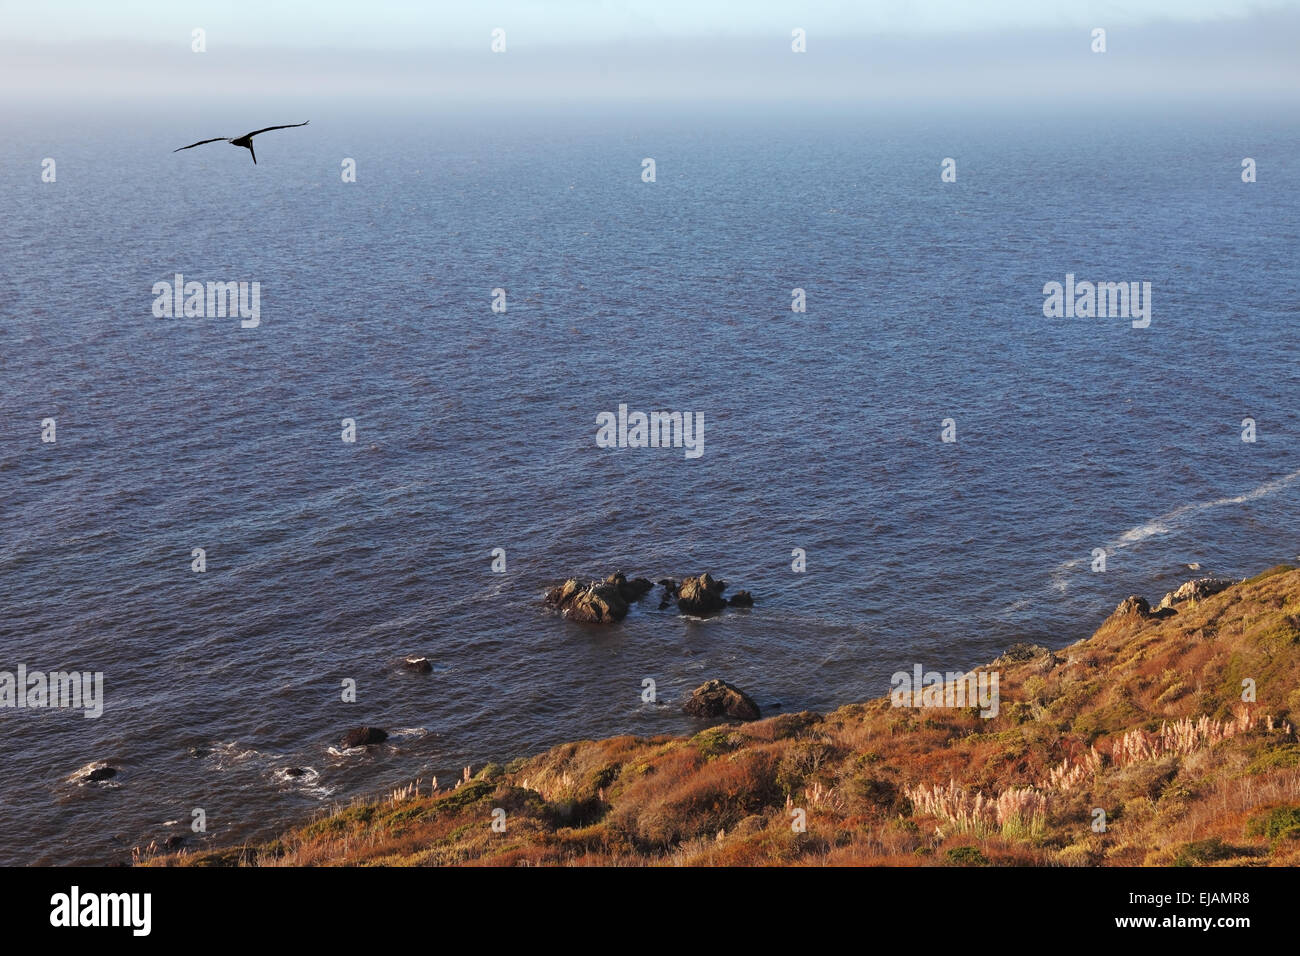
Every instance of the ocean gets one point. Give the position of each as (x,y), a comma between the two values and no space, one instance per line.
(328,561)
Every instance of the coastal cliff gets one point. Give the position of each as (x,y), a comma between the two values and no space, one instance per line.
(1165,738)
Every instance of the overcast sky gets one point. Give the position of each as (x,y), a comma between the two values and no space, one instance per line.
(88,50)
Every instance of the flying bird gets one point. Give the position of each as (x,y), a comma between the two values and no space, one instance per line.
(245,141)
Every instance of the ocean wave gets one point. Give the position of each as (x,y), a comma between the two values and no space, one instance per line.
(394,736)
(228,754)
(1173,521)
(408,733)
(304,780)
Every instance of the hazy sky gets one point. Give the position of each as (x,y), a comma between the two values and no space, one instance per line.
(577,49)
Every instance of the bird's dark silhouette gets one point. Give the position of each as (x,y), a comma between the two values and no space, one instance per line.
(245,141)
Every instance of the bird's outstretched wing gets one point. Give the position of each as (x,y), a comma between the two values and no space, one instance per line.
(269,128)
(215,139)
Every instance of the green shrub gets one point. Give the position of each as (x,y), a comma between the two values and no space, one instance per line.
(1280,823)
(716,741)
(967,856)
(1201,852)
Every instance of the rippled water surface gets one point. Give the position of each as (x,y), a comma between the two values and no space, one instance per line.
(476,430)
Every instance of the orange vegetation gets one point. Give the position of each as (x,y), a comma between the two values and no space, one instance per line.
(1146,727)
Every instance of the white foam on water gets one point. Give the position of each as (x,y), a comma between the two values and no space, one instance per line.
(1173,521)
(307,783)
(309,775)
(81,775)
(231,754)
(407,733)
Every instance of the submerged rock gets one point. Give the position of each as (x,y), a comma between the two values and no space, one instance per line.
(716,698)
(701,595)
(102,773)
(635,589)
(742,599)
(363,737)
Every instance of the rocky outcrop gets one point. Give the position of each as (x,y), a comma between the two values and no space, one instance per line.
(600,602)
(701,595)
(608,601)
(595,603)
(363,737)
(1024,651)
(717,698)
(1133,606)
(420,665)
(1196,590)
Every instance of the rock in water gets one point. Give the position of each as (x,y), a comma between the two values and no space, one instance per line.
(635,589)
(1196,590)
(562,595)
(717,698)
(701,595)
(363,737)
(101,773)
(608,601)
(601,602)
(421,665)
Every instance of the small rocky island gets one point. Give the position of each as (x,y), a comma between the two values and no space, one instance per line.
(717,698)
(608,601)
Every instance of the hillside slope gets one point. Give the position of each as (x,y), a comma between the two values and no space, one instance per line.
(1144,722)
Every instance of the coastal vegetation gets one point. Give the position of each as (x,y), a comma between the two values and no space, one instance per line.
(1167,738)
